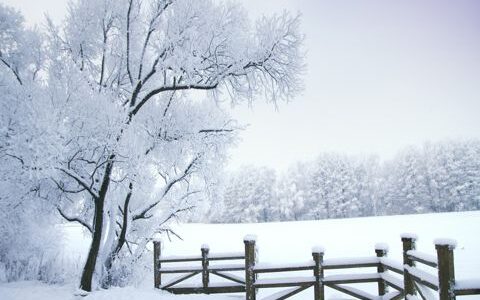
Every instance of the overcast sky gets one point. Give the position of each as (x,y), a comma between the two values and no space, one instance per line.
(381,75)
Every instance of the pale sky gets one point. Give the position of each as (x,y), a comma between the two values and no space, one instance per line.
(381,75)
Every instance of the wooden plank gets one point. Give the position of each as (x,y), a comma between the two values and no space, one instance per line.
(318,288)
(182,269)
(466,292)
(250,253)
(231,267)
(392,265)
(420,291)
(205,264)
(392,281)
(351,291)
(382,285)
(424,282)
(286,294)
(401,295)
(229,277)
(351,266)
(273,269)
(226,256)
(209,290)
(178,280)
(467,287)
(284,282)
(189,269)
(350,263)
(180,259)
(217,256)
(351,278)
(421,260)
(408,243)
(394,269)
(446,270)
(392,295)
(157,276)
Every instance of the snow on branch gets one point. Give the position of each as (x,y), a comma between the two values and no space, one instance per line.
(166,189)
(75,219)
(80,182)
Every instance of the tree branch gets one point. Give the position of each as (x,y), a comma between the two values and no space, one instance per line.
(185,173)
(75,219)
(17,76)
(81,183)
(128,41)
(173,87)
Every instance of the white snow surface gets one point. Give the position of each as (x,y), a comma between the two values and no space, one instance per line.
(409,235)
(318,249)
(446,242)
(283,243)
(381,246)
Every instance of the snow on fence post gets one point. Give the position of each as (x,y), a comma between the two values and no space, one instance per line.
(381,250)
(205,275)
(250,290)
(317,254)
(408,241)
(446,269)
(156,264)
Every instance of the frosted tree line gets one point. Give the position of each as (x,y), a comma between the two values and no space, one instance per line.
(436,177)
(112,119)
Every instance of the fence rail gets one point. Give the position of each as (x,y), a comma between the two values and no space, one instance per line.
(405,278)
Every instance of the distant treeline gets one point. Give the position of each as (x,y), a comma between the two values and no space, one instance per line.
(436,177)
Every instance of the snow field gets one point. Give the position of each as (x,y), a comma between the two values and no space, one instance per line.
(287,243)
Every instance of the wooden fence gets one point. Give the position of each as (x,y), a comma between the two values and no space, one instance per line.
(395,280)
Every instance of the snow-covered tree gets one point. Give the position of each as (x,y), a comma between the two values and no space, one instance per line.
(292,192)
(250,196)
(436,177)
(29,241)
(118,137)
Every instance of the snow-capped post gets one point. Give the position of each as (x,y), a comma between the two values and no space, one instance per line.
(317,254)
(408,241)
(205,276)
(381,250)
(250,290)
(446,268)
(156,263)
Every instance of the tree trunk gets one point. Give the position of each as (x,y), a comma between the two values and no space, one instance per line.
(89,268)
(108,280)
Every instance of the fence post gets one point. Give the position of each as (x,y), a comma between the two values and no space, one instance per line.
(205,274)
(408,241)
(381,250)
(446,268)
(317,254)
(250,290)
(156,264)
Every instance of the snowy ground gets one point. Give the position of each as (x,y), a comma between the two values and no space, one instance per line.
(292,242)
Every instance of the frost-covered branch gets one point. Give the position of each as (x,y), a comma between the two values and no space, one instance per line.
(13,70)
(75,219)
(173,87)
(143,213)
(81,182)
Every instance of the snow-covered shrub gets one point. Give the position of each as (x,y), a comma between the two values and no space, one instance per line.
(30,247)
